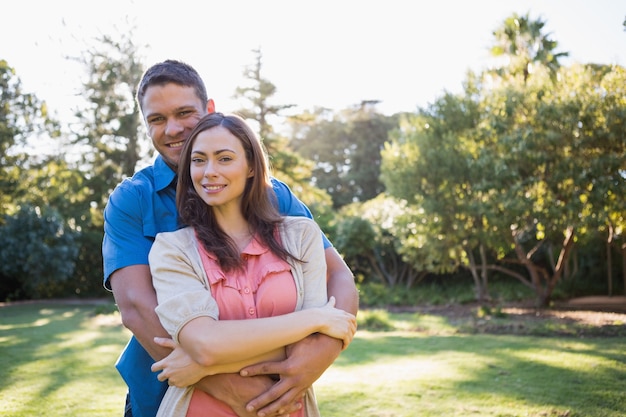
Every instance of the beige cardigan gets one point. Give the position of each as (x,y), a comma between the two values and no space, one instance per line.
(183,291)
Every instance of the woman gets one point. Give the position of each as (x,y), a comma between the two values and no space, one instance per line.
(238,259)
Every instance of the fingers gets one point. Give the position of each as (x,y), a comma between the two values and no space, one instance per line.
(350,338)
(160,366)
(281,403)
(157,366)
(277,392)
(347,340)
(282,411)
(263,368)
(165,342)
(332,301)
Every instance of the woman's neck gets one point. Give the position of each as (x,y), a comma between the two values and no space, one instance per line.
(235,225)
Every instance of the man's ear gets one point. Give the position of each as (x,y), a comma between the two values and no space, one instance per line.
(210,106)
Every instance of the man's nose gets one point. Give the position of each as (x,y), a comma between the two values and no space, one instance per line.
(174,128)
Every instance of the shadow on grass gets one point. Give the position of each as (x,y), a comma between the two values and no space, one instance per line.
(570,376)
(52,346)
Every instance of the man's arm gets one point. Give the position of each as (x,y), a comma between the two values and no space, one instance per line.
(341,282)
(136,300)
(308,359)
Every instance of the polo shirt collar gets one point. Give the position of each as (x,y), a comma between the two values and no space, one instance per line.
(163,174)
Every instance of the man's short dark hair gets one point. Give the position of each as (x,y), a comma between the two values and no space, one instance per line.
(171,71)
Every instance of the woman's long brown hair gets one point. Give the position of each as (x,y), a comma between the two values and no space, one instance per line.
(258,203)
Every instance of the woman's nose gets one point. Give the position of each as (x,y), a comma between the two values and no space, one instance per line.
(209,169)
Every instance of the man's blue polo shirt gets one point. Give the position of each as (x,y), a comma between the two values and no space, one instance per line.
(138,209)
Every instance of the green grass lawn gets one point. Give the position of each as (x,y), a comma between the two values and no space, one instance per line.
(57,360)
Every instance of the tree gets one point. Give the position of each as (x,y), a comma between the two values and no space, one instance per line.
(259,94)
(22,116)
(450,226)
(525,45)
(109,125)
(368,237)
(286,165)
(38,253)
(346,152)
(516,173)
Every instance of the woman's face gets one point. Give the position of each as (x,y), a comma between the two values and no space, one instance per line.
(219,168)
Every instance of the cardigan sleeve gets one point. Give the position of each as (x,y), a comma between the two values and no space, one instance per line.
(179,281)
(302,237)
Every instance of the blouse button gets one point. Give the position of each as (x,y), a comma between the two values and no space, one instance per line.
(246,290)
(251,311)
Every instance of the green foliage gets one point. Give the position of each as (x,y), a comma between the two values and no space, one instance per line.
(109,123)
(355,236)
(369,236)
(345,151)
(22,117)
(485,311)
(38,252)
(436,291)
(523,41)
(286,165)
(108,133)
(513,174)
(375,321)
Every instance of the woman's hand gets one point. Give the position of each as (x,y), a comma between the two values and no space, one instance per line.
(178,368)
(337,323)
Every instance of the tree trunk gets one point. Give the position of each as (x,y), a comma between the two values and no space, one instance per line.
(535,278)
(624,266)
(609,260)
(537,274)
(568,244)
(480,291)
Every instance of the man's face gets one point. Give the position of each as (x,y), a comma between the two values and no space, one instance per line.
(170,112)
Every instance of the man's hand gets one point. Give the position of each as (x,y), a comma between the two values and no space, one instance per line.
(306,362)
(237,391)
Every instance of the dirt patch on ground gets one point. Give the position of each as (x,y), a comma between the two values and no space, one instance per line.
(589,316)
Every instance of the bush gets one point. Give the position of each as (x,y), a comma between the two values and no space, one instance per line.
(375,321)
(38,253)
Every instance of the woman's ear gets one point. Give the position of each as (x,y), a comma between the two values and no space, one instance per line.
(250,173)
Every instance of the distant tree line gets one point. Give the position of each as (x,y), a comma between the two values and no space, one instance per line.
(520,176)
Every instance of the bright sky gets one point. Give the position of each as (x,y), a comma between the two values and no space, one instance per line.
(329,53)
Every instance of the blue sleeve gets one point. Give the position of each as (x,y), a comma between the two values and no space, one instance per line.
(125,242)
(289,205)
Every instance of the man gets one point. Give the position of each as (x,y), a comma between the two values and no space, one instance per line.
(172,98)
